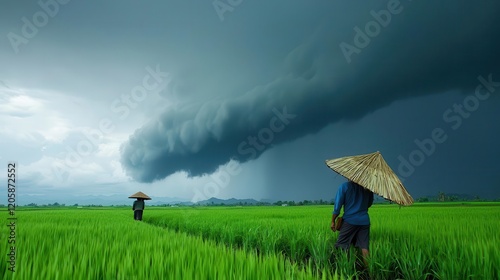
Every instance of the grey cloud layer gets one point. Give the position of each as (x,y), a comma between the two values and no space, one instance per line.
(426,49)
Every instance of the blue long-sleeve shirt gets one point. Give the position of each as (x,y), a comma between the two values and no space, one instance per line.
(356,200)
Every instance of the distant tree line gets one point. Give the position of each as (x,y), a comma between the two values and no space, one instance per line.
(56,204)
(443,197)
(440,197)
(304,202)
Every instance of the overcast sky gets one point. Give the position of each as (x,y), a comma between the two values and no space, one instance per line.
(247,99)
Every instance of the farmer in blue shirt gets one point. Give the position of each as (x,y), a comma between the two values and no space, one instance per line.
(355,228)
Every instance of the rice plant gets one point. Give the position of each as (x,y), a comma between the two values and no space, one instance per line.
(108,244)
(426,241)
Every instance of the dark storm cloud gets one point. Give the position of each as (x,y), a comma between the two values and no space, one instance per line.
(427,48)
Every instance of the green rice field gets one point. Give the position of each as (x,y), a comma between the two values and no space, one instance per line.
(424,241)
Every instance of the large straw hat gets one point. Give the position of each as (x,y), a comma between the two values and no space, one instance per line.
(372,172)
(140,195)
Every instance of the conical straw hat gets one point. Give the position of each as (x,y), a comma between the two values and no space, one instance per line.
(140,195)
(372,172)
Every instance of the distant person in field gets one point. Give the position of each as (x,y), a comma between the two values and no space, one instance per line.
(138,207)
(355,229)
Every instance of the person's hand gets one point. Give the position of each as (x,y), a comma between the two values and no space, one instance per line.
(332,226)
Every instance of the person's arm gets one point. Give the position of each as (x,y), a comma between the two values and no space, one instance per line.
(332,226)
(339,202)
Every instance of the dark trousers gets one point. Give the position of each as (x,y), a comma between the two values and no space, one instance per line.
(138,215)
